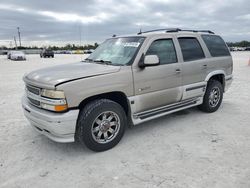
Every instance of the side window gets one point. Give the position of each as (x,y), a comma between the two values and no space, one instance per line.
(191,48)
(164,49)
(216,45)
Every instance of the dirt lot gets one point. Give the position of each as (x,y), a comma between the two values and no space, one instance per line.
(185,149)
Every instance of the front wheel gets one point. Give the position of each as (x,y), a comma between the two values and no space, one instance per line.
(101,125)
(213,97)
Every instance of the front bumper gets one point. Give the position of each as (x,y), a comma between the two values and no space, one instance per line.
(59,127)
(19,58)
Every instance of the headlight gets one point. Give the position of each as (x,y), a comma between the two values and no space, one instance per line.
(54,101)
(53,94)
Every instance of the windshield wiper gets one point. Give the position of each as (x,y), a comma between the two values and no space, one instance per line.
(87,59)
(103,61)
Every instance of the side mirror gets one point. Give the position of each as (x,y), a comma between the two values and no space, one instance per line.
(151,60)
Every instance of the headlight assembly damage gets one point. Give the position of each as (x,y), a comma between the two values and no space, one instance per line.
(47,99)
(53,100)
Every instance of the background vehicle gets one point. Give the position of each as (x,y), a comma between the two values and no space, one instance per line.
(16,55)
(128,80)
(46,53)
(90,51)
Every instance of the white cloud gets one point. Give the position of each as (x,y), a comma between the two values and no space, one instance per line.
(55,22)
(64,17)
(244,17)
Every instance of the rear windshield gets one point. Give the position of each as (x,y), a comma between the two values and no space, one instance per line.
(216,45)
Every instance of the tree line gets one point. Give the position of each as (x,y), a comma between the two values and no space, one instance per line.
(243,43)
(66,47)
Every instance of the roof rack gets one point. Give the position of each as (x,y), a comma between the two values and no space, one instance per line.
(166,29)
(196,31)
(169,30)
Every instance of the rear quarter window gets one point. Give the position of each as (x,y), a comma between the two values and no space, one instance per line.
(216,45)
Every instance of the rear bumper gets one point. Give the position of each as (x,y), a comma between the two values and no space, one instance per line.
(228,82)
(59,127)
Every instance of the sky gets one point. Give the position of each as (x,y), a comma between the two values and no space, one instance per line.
(48,22)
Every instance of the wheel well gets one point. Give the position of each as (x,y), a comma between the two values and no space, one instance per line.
(118,97)
(220,78)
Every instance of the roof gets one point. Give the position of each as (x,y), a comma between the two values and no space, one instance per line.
(170,31)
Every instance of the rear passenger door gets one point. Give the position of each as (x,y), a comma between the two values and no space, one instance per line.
(193,63)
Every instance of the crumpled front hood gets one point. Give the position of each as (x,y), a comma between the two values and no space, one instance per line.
(55,75)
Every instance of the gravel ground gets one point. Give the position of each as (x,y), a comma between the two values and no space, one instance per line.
(185,149)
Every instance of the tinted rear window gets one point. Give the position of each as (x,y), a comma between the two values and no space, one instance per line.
(191,49)
(216,45)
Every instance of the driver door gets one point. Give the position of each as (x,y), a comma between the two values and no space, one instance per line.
(160,85)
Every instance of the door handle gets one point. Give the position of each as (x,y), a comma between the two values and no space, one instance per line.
(204,66)
(177,71)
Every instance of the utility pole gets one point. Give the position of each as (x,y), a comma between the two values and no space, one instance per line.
(10,44)
(15,41)
(19,35)
(80,35)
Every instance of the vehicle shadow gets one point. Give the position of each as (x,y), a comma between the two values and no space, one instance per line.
(165,123)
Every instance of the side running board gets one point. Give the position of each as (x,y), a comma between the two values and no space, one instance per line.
(165,109)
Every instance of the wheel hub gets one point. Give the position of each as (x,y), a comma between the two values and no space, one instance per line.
(104,126)
(214,97)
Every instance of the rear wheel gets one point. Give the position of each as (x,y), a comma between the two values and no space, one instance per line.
(213,97)
(101,125)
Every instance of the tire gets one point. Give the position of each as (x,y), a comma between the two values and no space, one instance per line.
(93,125)
(211,100)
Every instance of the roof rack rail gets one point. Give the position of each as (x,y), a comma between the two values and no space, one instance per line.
(169,30)
(166,29)
(196,31)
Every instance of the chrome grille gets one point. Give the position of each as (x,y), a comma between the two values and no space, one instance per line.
(34,102)
(33,90)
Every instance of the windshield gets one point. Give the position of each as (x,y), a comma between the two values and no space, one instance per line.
(117,51)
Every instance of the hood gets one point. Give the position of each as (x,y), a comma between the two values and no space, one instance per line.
(53,76)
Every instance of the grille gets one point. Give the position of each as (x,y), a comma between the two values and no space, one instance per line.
(34,102)
(33,90)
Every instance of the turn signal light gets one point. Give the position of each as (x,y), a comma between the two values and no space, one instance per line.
(59,108)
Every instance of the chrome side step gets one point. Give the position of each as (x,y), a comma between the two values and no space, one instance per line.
(168,109)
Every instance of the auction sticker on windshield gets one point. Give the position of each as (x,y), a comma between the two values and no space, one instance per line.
(131,44)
